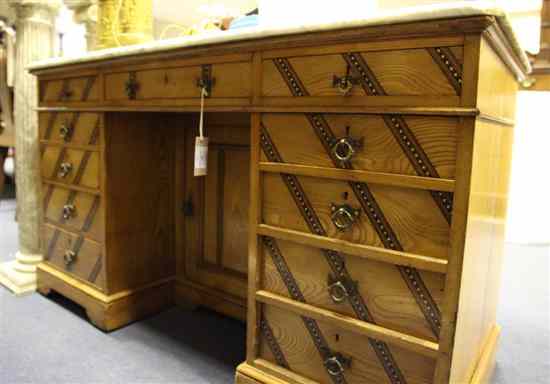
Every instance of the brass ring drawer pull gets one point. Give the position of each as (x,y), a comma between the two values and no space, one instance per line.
(68,211)
(69,257)
(345,147)
(65,169)
(340,289)
(343,216)
(337,364)
(66,131)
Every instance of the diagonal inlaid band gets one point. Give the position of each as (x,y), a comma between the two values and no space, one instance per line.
(87,88)
(401,132)
(449,65)
(334,259)
(296,294)
(369,204)
(95,270)
(274,346)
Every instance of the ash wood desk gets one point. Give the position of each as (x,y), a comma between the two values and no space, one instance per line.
(355,201)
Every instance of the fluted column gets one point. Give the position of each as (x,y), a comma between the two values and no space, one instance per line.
(35,40)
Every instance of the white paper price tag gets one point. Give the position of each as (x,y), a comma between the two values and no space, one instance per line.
(201,156)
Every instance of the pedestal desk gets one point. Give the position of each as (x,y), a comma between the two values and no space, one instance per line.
(354,207)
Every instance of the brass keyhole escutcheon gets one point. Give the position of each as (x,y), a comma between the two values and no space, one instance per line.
(343,216)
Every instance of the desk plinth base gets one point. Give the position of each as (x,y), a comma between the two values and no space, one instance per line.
(248,374)
(108,312)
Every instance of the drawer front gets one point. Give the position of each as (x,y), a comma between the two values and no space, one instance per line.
(312,349)
(230,81)
(71,128)
(77,211)
(347,75)
(74,254)
(400,298)
(397,218)
(410,145)
(70,166)
(69,90)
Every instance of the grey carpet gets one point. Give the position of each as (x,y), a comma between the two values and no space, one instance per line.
(47,340)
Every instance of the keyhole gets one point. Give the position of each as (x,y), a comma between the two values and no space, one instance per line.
(348,129)
(165,78)
(337,337)
(345,195)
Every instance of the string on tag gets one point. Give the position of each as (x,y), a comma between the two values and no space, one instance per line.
(201,142)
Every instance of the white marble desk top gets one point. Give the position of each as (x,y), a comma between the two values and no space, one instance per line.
(409,14)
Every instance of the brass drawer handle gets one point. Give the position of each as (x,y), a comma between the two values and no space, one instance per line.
(343,216)
(66,93)
(337,364)
(132,86)
(65,169)
(345,147)
(344,84)
(69,257)
(66,131)
(68,211)
(340,289)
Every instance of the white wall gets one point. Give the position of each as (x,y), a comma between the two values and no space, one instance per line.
(529,204)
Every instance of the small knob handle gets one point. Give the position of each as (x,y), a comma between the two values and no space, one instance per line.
(69,257)
(68,211)
(343,216)
(66,94)
(65,169)
(66,131)
(337,364)
(340,289)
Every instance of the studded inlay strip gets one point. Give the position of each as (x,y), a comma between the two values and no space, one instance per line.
(274,346)
(334,259)
(49,128)
(449,65)
(87,88)
(369,204)
(95,133)
(51,244)
(296,294)
(91,215)
(95,270)
(82,167)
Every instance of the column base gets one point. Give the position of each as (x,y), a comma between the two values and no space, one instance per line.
(18,282)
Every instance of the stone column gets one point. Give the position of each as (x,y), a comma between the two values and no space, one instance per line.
(35,20)
(85,12)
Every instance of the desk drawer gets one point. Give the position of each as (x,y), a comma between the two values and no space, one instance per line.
(69,90)
(396,218)
(312,348)
(409,145)
(346,75)
(400,298)
(77,211)
(74,254)
(71,166)
(230,81)
(70,128)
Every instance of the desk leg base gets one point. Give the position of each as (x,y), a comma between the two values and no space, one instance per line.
(109,312)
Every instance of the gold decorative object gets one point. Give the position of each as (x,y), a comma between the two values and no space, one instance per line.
(124,22)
